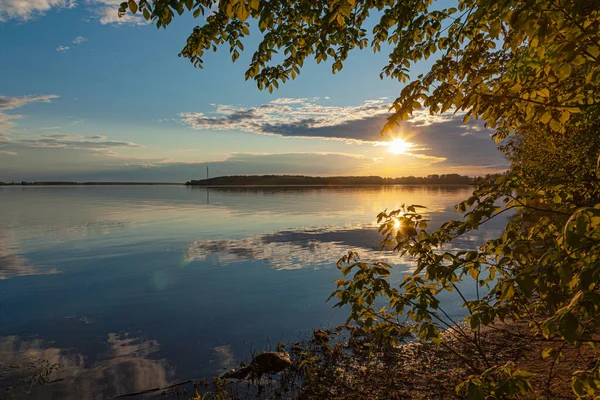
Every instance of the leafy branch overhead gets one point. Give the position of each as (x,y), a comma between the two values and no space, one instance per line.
(529,69)
(507,62)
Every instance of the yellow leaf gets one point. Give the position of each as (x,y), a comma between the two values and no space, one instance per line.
(544,92)
(546,117)
(254,4)
(593,50)
(243,12)
(564,71)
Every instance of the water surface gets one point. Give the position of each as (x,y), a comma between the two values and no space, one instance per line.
(134,287)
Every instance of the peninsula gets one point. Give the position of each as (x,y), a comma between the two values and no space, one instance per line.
(301,180)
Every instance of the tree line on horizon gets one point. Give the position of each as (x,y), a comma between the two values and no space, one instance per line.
(242,180)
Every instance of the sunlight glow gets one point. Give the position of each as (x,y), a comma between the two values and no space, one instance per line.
(397,223)
(399,146)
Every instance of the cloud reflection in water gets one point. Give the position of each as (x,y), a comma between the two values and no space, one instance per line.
(294,249)
(12,264)
(125,366)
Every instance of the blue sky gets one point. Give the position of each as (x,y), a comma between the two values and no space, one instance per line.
(85,95)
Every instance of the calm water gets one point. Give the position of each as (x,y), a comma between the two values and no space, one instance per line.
(134,287)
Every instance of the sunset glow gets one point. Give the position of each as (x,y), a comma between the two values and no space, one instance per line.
(399,146)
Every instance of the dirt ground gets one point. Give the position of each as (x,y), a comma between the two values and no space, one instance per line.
(426,371)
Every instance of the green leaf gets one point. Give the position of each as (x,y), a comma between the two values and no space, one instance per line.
(569,327)
(133,6)
(526,284)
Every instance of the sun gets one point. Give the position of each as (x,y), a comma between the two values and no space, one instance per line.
(399,146)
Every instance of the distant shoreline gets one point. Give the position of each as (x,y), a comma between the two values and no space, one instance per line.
(268,181)
(328,185)
(224,186)
(326,181)
(24,184)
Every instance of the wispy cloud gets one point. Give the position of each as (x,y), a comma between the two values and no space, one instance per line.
(70,142)
(63,48)
(79,40)
(11,103)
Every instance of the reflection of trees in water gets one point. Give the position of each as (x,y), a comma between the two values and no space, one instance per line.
(125,367)
(13,264)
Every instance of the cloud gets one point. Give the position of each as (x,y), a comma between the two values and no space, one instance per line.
(12,103)
(76,42)
(70,142)
(24,10)
(106,11)
(288,117)
(7,122)
(8,153)
(439,139)
(13,264)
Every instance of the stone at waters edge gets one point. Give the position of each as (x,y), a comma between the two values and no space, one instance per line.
(264,363)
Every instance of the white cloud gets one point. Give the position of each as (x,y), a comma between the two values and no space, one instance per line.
(104,11)
(76,42)
(8,153)
(24,10)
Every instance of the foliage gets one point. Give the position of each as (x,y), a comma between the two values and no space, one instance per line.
(585,383)
(220,393)
(499,382)
(528,68)
(544,269)
(558,159)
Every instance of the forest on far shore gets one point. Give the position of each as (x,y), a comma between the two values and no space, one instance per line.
(301,180)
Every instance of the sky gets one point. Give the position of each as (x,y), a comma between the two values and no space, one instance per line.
(88,96)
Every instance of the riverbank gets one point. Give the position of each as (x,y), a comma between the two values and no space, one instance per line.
(428,371)
(342,364)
